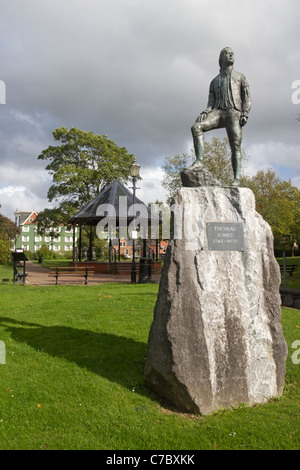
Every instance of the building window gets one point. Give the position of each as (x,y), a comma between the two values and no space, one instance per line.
(25,229)
(37,239)
(25,239)
(47,239)
(70,230)
(70,239)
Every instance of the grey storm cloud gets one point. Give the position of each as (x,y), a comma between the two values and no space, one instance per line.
(139,71)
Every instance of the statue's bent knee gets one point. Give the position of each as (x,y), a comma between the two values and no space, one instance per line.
(196,129)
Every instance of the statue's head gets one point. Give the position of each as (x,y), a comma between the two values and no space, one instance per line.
(226,57)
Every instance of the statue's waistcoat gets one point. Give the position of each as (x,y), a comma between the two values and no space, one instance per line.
(239,90)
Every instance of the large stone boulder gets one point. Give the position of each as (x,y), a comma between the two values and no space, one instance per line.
(216,339)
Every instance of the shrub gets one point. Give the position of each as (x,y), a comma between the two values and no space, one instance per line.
(5,249)
(45,253)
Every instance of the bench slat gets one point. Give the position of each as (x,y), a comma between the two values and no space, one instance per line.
(72,272)
(72,269)
(69,274)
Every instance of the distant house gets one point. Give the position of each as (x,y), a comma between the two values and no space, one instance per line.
(30,240)
(125,248)
(162,247)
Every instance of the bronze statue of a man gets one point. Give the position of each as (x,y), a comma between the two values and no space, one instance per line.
(229,103)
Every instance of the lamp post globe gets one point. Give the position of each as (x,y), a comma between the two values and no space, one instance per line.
(134,170)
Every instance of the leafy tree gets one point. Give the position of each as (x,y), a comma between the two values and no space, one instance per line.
(83,165)
(5,248)
(49,219)
(278,202)
(217,160)
(8,227)
(172,167)
(8,231)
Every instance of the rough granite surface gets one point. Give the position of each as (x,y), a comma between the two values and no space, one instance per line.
(216,338)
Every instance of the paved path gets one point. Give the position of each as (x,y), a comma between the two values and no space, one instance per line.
(38,276)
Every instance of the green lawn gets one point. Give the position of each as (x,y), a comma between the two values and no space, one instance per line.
(73,378)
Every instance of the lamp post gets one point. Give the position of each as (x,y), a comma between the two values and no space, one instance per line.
(134,173)
(17,224)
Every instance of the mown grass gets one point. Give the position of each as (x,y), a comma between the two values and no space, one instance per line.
(73,378)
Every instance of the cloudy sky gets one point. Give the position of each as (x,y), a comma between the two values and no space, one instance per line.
(139,71)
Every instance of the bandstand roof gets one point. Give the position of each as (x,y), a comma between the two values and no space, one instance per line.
(109,195)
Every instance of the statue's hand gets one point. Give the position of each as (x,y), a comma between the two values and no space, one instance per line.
(201,117)
(243,120)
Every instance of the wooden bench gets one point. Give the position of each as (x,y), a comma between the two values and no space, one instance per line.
(84,271)
(290,268)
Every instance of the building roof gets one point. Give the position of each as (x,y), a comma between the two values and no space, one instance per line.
(96,210)
(24,217)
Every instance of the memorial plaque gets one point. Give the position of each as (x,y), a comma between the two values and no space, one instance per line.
(225,236)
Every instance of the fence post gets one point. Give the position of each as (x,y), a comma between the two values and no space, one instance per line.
(284,269)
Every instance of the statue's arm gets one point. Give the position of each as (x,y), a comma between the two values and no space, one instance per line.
(246,101)
(246,97)
(210,104)
(211,99)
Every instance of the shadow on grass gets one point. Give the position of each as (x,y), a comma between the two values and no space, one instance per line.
(116,358)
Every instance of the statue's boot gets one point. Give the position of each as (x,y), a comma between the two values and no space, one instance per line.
(199,150)
(237,166)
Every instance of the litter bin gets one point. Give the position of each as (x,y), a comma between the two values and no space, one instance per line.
(19,261)
(145,270)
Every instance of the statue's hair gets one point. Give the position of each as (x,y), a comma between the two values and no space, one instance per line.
(221,56)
